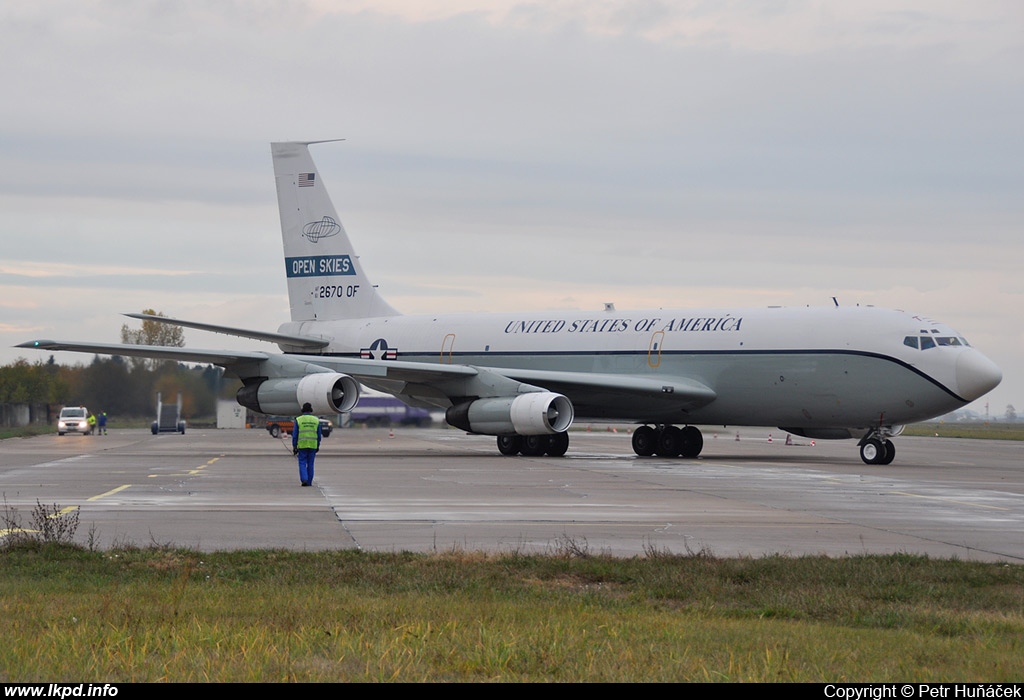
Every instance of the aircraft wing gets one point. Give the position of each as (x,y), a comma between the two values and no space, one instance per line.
(224,358)
(592,395)
(598,395)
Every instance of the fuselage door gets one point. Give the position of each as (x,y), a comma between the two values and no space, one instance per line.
(446,349)
(654,349)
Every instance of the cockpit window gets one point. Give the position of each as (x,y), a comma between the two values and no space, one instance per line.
(927,341)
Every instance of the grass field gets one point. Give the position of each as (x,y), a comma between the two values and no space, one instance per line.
(978,431)
(70,614)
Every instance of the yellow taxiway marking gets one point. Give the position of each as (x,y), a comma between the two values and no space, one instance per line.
(11,531)
(190,472)
(65,511)
(197,470)
(111,492)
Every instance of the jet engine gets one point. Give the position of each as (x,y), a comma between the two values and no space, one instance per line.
(536,413)
(326,392)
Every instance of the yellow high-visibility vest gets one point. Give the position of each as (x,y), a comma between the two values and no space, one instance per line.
(307,425)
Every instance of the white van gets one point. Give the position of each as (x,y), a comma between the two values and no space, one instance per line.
(74,419)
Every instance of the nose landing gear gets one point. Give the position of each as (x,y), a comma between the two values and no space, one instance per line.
(877,448)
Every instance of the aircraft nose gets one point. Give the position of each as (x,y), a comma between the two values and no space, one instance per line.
(976,375)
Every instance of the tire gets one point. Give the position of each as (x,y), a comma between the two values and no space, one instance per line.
(873,451)
(645,441)
(275,431)
(691,442)
(558,444)
(890,452)
(534,445)
(508,445)
(668,442)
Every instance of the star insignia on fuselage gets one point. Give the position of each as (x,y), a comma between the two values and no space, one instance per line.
(379,350)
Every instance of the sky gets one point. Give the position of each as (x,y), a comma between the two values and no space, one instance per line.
(517,155)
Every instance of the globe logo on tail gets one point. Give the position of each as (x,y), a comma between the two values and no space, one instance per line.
(324,228)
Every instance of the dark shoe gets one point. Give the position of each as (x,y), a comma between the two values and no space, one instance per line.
(305,483)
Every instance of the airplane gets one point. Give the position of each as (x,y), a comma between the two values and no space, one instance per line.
(832,372)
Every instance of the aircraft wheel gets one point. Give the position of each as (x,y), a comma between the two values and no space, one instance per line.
(668,442)
(873,451)
(691,442)
(534,445)
(890,452)
(558,444)
(645,441)
(275,431)
(508,445)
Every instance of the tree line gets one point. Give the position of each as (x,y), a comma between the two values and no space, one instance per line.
(118,385)
(115,385)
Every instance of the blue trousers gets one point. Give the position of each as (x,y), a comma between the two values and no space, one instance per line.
(306,459)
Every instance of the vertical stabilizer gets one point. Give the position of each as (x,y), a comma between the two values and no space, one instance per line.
(325,279)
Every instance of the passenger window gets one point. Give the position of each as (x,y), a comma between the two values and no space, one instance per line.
(910,341)
(927,343)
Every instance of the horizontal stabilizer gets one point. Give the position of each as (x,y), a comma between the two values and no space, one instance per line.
(295,341)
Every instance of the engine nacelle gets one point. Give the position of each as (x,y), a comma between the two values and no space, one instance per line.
(326,392)
(537,413)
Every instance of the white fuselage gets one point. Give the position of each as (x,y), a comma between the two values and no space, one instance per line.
(801,367)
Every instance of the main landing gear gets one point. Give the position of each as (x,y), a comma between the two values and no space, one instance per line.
(877,448)
(667,441)
(534,445)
